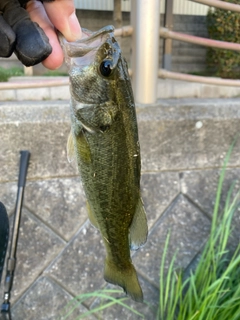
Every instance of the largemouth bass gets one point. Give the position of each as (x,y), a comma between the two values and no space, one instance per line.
(104,140)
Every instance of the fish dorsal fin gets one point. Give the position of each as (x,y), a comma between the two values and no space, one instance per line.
(92,217)
(70,148)
(138,230)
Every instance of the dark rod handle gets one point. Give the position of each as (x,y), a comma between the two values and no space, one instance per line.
(4,233)
(24,160)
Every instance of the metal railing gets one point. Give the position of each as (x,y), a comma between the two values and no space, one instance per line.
(220,4)
(180,6)
(34,84)
(145,82)
(145,32)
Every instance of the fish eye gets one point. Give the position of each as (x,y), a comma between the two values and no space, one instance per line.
(106,68)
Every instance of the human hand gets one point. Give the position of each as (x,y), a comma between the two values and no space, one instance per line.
(52,15)
(24,36)
(18,33)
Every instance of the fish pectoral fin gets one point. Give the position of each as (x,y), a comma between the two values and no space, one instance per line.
(89,127)
(91,216)
(106,113)
(70,148)
(138,230)
(97,118)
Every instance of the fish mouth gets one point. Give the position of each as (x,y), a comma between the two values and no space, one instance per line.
(89,41)
(82,52)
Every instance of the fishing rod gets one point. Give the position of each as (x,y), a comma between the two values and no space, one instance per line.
(4,234)
(11,262)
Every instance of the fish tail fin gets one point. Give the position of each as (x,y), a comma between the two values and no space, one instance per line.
(127,279)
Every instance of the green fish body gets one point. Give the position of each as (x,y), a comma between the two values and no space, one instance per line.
(104,140)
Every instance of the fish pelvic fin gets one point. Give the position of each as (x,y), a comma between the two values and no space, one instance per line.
(138,230)
(92,216)
(78,144)
(127,279)
(70,148)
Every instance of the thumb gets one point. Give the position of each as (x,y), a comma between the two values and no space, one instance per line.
(62,15)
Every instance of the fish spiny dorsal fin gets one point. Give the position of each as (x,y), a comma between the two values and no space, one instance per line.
(70,148)
(138,230)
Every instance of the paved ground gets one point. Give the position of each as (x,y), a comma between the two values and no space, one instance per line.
(60,255)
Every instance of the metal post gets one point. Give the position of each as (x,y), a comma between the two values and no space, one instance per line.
(117,16)
(28,71)
(145,19)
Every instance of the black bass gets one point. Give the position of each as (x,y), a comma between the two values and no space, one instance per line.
(104,140)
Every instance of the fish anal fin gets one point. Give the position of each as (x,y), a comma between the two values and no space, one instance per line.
(125,278)
(91,216)
(138,230)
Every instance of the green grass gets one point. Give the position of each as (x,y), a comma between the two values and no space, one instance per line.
(106,299)
(211,292)
(5,74)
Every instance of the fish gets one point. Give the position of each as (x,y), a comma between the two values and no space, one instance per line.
(105,144)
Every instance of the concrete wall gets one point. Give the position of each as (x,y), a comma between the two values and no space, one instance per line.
(185,57)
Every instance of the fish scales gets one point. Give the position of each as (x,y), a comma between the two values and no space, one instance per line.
(104,140)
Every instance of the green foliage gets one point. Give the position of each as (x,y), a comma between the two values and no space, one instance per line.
(5,74)
(225,26)
(106,300)
(212,291)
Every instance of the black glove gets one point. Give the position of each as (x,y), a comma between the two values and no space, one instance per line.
(19,34)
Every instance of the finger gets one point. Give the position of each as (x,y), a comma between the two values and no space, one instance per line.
(62,15)
(7,39)
(38,14)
